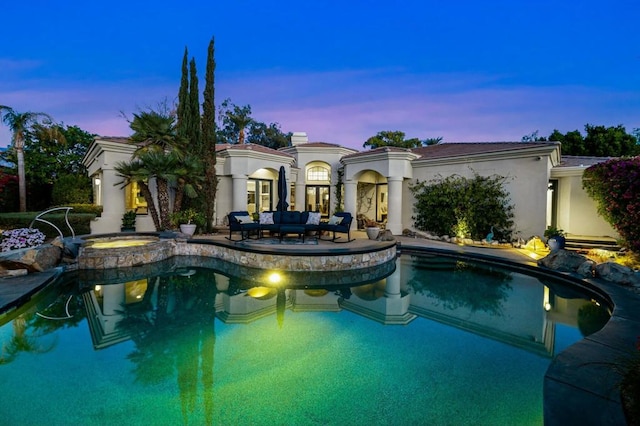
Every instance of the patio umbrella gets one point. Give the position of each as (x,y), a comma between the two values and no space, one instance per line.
(282,191)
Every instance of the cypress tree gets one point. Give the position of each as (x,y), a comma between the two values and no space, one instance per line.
(209,137)
(194,131)
(183,98)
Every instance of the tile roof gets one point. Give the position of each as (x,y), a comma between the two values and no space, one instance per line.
(320,144)
(117,139)
(249,147)
(581,161)
(376,150)
(455,149)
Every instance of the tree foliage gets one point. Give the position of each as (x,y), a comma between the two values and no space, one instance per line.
(600,141)
(8,191)
(160,156)
(397,138)
(209,137)
(268,135)
(19,124)
(234,120)
(615,186)
(182,110)
(466,208)
(194,132)
(72,189)
(54,151)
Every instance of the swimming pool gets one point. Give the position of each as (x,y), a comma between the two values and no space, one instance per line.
(428,340)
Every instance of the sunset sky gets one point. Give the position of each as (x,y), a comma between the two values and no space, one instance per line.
(339,70)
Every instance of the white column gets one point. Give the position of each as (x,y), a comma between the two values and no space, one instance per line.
(301,203)
(350,197)
(392,289)
(394,216)
(239,192)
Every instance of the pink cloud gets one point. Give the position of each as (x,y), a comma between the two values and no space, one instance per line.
(348,107)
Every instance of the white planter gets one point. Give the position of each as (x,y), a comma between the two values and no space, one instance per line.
(373,232)
(188,228)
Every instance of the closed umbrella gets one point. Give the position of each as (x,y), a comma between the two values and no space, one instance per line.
(282,191)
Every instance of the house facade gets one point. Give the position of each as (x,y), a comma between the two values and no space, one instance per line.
(544,188)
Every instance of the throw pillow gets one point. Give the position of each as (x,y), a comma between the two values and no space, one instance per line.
(335,220)
(314,218)
(244,219)
(266,218)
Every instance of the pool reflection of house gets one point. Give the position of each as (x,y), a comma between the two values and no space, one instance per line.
(544,187)
(523,315)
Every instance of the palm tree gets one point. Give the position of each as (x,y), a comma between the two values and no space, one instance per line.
(164,168)
(161,152)
(135,172)
(236,118)
(19,123)
(189,179)
(155,131)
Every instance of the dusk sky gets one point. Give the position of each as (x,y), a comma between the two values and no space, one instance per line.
(339,70)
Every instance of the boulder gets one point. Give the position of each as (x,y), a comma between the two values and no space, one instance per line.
(562,260)
(587,269)
(618,274)
(36,259)
(385,235)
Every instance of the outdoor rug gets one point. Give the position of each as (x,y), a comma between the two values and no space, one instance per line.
(309,241)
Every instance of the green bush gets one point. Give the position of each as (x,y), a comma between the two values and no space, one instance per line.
(615,187)
(72,188)
(85,208)
(464,207)
(80,222)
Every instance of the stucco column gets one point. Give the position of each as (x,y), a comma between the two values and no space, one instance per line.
(239,192)
(350,197)
(392,289)
(301,204)
(394,207)
(110,193)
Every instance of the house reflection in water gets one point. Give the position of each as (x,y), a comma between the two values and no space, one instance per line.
(170,316)
(509,307)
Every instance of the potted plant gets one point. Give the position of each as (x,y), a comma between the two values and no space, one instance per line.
(555,238)
(188,220)
(372,229)
(129,221)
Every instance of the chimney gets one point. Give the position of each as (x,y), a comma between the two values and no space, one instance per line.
(299,138)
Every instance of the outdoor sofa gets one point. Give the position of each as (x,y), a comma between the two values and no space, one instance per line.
(287,222)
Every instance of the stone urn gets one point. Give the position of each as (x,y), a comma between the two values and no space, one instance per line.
(188,228)
(373,232)
(556,243)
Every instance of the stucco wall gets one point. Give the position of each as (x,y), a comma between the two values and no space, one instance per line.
(527,179)
(577,213)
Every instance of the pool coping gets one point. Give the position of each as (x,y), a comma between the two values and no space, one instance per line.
(580,385)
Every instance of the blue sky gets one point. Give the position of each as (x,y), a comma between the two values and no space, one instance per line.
(339,70)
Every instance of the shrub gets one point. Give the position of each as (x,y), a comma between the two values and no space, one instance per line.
(72,189)
(20,238)
(80,222)
(8,192)
(615,187)
(464,207)
(188,216)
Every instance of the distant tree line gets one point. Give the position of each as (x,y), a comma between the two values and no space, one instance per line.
(397,138)
(599,141)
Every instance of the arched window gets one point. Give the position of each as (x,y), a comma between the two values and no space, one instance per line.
(317,173)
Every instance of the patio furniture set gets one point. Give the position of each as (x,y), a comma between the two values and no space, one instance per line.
(281,223)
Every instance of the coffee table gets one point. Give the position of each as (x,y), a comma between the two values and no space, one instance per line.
(292,229)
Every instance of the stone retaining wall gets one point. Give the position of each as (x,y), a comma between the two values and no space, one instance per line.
(90,258)
(122,257)
(310,262)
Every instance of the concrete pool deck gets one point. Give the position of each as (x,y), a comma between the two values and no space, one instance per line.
(580,385)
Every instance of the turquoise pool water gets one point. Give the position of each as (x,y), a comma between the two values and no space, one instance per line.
(436,341)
